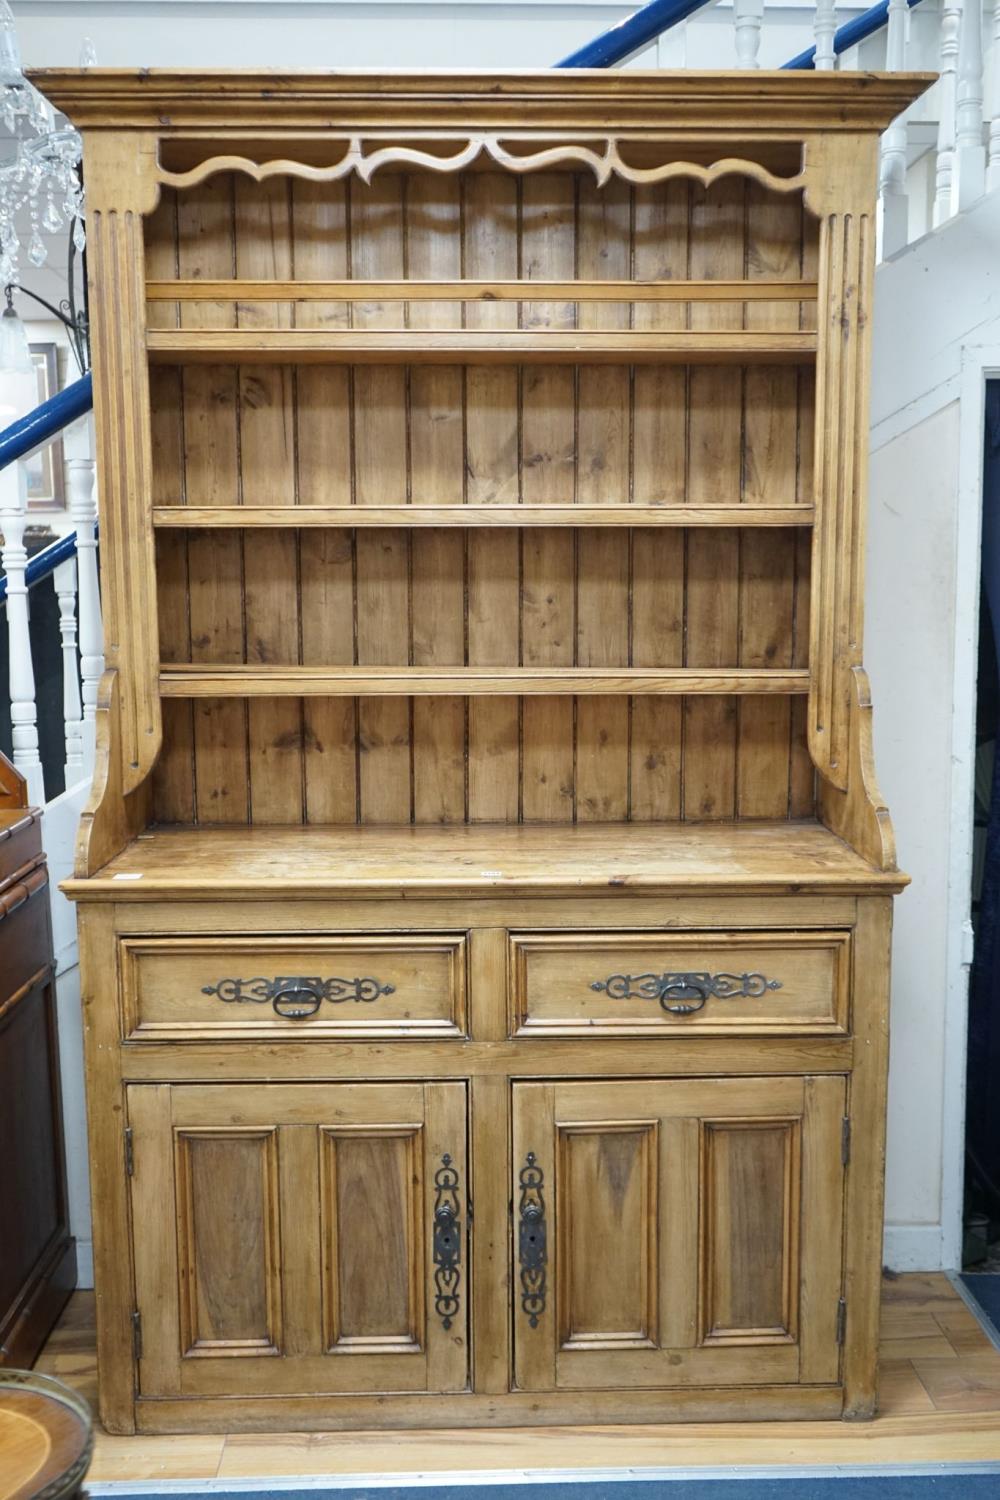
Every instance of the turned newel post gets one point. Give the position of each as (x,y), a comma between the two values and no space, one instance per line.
(824,30)
(748,20)
(121,188)
(83,510)
(969,175)
(951,20)
(892,168)
(64,578)
(993,153)
(14,559)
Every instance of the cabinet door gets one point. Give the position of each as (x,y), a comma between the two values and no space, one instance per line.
(677,1232)
(295,1238)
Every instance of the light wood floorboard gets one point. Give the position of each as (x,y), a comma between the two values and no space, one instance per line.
(940,1389)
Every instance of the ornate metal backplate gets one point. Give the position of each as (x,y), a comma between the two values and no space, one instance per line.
(296,997)
(682,994)
(532,1232)
(447,1242)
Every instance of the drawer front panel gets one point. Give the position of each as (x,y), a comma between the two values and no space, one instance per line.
(641,983)
(25,942)
(383,985)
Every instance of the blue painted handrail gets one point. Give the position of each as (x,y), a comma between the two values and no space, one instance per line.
(650,21)
(644,26)
(23,437)
(41,425)
(851,33)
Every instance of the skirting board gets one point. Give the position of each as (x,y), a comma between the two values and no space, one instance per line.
(84,1265)
(914,1247)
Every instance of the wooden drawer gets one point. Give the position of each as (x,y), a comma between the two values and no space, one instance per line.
(383,985)
(25,940)
(641,983)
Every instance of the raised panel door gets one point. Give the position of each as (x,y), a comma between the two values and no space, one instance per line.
(300,1238)
(678,1232)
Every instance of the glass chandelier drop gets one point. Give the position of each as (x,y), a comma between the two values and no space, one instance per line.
(43,173)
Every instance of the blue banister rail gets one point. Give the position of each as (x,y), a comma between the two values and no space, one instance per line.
(850,34)
(41,425)
(638,30)
(22,438)
(650,21)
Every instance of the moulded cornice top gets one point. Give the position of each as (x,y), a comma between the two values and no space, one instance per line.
(773,103)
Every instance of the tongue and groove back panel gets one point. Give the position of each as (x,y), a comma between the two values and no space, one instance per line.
(473,434)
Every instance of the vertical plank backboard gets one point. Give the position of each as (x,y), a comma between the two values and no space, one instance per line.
(548,475)
(437,477)
(715,395)
(767,559)
(603,444)
(326,560)
(212,477)
(267,460)
(492,457)
(660,248)
(380,478)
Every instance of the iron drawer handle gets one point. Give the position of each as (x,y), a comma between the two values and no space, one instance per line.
(683,994)
(284,991)
(286,1002)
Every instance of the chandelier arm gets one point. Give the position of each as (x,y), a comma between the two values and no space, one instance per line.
(68,316)
(81,316)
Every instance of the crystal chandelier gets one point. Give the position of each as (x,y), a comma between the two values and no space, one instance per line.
(43,174)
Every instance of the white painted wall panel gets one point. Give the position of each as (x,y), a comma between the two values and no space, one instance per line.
(909,651)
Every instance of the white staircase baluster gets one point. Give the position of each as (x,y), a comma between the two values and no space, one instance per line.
(64,578)
(825,28)
(892,168)
(749,17)
(83,510)
(969,176)
(951,19)
(23,711)
(993,160)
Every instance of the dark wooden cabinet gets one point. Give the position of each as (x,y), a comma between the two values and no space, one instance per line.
(37,1252)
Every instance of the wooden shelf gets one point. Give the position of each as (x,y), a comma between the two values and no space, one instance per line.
(245,681)
(481,291)
(553,858)
(194,517)
(476,346)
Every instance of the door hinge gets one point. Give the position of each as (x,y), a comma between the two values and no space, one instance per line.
(137,1334)
(129,1152)
(841,1320)
(845,1140)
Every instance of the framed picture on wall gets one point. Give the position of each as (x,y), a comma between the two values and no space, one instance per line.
(46,487)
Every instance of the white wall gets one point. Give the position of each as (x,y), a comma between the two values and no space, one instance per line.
(59,836)
(909,651)
(377,34)
(937,334)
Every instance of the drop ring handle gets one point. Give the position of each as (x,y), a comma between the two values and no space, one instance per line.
(684,995)
(296,1002)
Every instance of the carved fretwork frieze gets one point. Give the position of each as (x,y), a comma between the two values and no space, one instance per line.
(364,158)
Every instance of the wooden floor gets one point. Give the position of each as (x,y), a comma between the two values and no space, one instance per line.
(940,1402)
